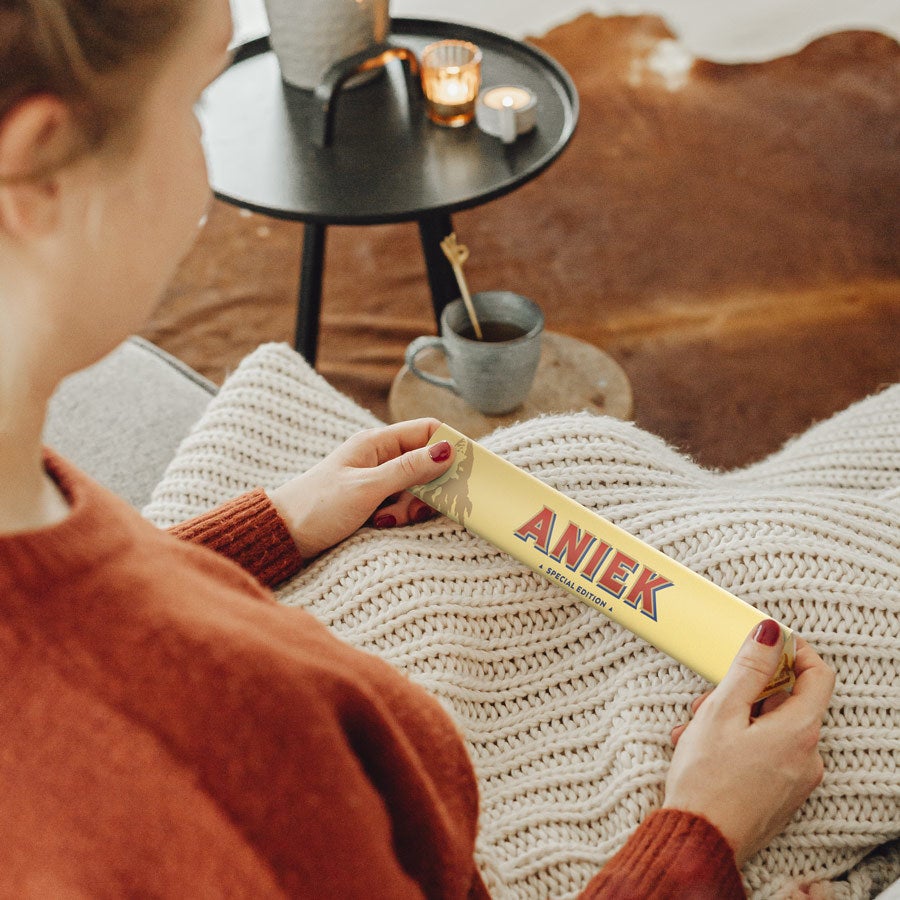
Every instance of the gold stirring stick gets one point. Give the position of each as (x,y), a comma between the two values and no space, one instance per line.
(457,254)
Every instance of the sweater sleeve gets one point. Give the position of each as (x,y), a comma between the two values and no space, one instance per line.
(672,854)
(249,531)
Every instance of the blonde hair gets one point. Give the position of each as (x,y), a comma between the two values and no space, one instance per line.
(79,51)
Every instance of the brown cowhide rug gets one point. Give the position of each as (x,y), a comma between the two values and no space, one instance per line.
(728,233)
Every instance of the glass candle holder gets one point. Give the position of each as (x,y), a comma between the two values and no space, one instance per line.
(451,77)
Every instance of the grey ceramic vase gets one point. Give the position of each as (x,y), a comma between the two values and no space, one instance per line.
(310,36)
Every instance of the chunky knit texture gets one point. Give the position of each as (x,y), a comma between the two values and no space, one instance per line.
(567,715)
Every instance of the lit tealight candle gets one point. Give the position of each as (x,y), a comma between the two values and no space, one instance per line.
(447,87)
(516,97)
(451,76)
(506,112)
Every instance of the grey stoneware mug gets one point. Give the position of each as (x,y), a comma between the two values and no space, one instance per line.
(493,375)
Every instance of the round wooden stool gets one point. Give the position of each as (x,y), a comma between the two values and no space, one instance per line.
(571,376)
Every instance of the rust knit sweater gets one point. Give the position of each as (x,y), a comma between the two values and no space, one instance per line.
(167,729)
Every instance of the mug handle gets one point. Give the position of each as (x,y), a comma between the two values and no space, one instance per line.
(415,348)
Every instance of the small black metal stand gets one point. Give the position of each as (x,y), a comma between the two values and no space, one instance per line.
(372,58)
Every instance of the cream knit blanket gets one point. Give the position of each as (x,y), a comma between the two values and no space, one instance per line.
(566,714)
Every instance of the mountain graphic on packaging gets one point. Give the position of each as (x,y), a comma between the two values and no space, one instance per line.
(657,598)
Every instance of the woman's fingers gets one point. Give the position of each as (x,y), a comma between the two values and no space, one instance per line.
(404,509)
(696,703)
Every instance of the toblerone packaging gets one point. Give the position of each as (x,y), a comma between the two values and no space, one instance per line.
(680,612)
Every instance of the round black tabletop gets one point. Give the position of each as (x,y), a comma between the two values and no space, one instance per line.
(388,162)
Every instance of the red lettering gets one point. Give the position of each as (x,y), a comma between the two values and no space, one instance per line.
(540,527)
(613,578)
(573,546)
(590,570)
(643,592)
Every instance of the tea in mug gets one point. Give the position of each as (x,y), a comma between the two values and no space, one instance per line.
(493,332)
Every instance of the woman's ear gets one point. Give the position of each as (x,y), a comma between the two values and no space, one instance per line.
(35,135)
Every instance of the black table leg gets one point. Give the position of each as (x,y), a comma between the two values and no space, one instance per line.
(309,299)
(432,230)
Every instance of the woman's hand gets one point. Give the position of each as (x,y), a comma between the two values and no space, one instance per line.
(749,773)
(365,478)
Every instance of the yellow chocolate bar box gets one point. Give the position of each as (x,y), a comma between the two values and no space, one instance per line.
(634,584)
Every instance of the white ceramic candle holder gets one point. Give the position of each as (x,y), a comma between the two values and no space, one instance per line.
(506,111)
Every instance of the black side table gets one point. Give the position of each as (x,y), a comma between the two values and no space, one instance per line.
(386,163)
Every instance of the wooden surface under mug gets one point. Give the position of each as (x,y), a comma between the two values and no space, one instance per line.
(572,375)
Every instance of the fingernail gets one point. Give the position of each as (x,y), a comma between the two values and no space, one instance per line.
(440,451)
(422,514)
(768,633)
(385,521)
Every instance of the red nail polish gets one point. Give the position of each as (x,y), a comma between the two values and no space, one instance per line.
(387,521)
(768,633)
(440,451)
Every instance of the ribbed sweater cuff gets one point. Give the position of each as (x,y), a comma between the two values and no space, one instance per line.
(673,854)
(249,531)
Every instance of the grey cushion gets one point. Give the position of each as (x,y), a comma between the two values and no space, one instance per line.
(122,419)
